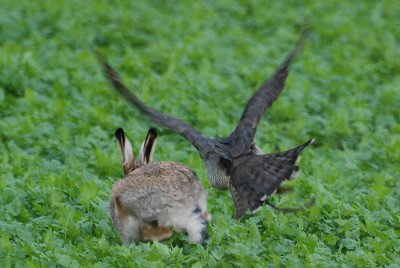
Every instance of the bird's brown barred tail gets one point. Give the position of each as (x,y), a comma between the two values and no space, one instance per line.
(255,177)
(293,157)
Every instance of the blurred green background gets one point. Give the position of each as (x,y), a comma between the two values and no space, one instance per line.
(200,61)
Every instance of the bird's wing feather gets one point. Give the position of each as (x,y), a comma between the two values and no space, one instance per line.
(243,135)
(170,122)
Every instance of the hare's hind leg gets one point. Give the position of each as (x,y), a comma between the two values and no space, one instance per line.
(153,232)
(202,204)
(130,231)
(207,216)
(127,225)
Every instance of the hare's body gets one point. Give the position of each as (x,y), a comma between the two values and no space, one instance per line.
(148,192)
(156,197)
(168,193)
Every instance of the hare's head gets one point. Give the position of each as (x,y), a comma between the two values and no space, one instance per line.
(146,151)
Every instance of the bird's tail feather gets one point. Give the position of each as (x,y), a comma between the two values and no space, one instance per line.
(255,177)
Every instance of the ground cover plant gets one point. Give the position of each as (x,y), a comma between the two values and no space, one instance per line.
(200,61)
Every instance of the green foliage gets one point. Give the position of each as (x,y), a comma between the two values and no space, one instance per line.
(200,61)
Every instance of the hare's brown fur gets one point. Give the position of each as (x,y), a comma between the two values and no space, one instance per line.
(173,175)
(166,192)
(154,197)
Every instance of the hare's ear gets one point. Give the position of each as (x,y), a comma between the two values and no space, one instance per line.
(125,148)
(148,147)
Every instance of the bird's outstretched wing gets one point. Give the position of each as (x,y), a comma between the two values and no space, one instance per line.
(255,177)
(170,122)
(243,135)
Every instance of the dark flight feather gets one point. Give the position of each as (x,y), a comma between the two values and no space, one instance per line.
(170,122)
(243,135)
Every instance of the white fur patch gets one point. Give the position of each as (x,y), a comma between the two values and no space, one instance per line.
(141,155)
(128,153)
(263,198)
(190,223)
(184,219)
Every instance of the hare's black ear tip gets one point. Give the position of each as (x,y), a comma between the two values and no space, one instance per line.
(119,133)
(153,131)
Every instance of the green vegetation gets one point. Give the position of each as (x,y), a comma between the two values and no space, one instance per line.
(200,61)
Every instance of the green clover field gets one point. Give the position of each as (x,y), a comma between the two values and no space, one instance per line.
(200,61)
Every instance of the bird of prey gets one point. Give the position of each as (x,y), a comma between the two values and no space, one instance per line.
(234,162)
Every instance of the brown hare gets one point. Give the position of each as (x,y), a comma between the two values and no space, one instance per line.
(153,198)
